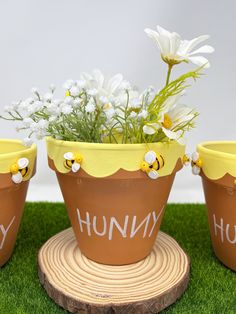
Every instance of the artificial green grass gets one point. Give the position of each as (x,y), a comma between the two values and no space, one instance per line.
(212,287)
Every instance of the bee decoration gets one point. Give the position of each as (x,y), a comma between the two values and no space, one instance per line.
(196,163)
(152,163)
(186,160)
(19,170)
(72,161)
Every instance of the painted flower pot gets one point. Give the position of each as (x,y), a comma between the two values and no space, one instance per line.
(17,166)
(218,172)
(113,196)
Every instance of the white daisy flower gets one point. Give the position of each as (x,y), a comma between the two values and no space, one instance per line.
(175,50)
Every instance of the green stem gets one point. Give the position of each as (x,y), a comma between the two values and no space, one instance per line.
(168,74)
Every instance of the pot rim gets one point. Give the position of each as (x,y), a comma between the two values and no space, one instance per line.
(219,161)
(111,146)
(26,149)
(104,159)
(215,152)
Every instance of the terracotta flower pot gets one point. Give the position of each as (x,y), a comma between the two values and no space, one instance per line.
(218,172)
(17,166)
(115,208)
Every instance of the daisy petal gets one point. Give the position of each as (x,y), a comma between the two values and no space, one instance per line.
(99,77)
(170,134)
(17,178)
(150,157)
(75,167)
(151,128)
(114,83)
(194,42)
(200,61)
(155,36)
(203,49)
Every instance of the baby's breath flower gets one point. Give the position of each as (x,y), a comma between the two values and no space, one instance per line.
(48,96)
(103,99)
(143,114)
(66,109)
(135,103)
(74,91)
(34,90)
(27,141)
(68,84)
(90,107)
(81,83)
(77,101)
(52,87)
(133,114)
(68,100)
(92,92)
(27,122)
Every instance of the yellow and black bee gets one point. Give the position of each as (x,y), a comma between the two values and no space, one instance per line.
(72,161)
(152,163)
(19,170)
(196,163)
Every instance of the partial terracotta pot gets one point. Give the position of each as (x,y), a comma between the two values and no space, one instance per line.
(17,166)
(115,208)
(218,172)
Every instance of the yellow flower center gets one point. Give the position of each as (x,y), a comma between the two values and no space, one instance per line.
(167,123)
(67,93)
(107,106)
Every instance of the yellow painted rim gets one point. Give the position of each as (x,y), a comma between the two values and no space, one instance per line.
(218,158)
(101,160)
(12,150)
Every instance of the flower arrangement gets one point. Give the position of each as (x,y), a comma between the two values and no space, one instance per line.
(100,110)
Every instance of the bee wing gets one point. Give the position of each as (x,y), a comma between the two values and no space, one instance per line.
(196,170)
(195,156)
(17,178)
(69,155)
(23,163)
(75,167)
(150,157)
(153,174)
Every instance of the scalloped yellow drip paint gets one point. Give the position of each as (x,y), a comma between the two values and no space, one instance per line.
(101,160)
(218,158)
(13,150)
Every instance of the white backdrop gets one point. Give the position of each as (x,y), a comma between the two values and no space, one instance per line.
(45,42)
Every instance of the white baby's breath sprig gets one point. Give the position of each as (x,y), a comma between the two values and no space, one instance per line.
(98,109)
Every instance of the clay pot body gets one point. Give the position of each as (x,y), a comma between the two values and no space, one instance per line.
(218,178)
(115,218)
(12,195)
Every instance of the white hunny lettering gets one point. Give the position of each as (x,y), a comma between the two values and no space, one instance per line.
(109,225)
(224,231)
(155,219)
(86,222)
(4,232)
(134,231)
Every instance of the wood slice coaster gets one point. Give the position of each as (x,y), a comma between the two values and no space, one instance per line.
(80,285)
